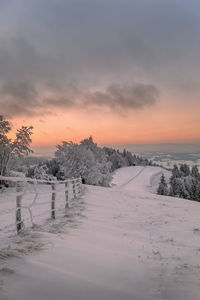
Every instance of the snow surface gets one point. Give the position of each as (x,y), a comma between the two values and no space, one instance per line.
(127,243)
(36,200)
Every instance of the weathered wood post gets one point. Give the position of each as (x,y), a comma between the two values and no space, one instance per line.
(19,223)
(53,200)
(66,195)
(74,187)
(79,184)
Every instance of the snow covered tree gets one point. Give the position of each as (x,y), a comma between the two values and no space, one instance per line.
(101,159)
(182,193)
(175,187)
(55,169)
(195,172)
(4,145)
(162,188)
(121,159)
(41,172)
(85,160)
(193,188)
(10,149)
(89,144)
(117,161)
(128,158)
(185,183)
(185,170)
(198,192)
(175,172)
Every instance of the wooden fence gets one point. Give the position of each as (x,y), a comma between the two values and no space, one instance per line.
(74,185)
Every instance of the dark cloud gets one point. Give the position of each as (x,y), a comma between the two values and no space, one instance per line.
(23,99)
(18,98)
(116,97)
(21,91)
(123,97)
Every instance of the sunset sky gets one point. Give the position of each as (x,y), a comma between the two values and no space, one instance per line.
(123,71)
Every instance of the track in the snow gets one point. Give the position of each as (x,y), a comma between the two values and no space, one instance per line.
(124,184)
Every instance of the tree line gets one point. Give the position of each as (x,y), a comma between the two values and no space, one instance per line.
(184,183)
(93,163)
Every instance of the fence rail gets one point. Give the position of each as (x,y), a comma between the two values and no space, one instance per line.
(27,179)
(30,195)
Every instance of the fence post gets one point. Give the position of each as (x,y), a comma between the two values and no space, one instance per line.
(53,200)
(66,196)
(79,184)
(74,187)
(19,223)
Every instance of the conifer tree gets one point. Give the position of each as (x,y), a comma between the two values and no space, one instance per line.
(175,172)
(162,188)
(185,170)
(195,172)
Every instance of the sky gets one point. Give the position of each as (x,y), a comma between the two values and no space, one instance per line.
(123,71)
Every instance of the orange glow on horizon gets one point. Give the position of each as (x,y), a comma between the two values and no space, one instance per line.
(153,125)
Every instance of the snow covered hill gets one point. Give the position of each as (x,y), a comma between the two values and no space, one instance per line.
(139,178)
(128,243)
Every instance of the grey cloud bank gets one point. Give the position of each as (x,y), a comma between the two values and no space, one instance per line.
(118,97)
(23,99)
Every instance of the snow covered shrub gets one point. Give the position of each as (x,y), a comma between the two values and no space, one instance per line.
(40,172)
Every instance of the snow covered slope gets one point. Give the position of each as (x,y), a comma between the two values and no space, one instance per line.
(128,244)
(139,178)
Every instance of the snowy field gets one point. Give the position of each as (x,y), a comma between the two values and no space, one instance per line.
(118,243)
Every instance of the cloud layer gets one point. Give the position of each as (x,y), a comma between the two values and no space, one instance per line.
(55,53)
(23,99)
